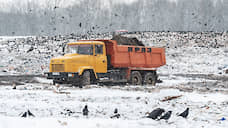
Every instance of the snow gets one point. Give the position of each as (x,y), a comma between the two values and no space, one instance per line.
(205,108)
(216,98)
(206,98)
(43,80)
(184,55)
(85,123)
(195,60)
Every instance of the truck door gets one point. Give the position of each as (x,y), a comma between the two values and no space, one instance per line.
(100,59)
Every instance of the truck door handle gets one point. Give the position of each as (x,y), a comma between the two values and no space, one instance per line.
(103,61)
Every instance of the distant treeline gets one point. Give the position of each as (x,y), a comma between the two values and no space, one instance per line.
(92,16)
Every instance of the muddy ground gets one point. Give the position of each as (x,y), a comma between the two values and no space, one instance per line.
(183,82)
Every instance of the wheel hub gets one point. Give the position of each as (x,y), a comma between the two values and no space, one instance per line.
(136,80)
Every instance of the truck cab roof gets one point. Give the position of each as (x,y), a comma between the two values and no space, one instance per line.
(85,42)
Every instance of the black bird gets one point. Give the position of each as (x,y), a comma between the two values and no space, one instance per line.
(30,114)
(185,113)
(166,116)
(116,114)
(67,112)
(115,111)
(85,111)
(156,113)
(24,114)
(27,114)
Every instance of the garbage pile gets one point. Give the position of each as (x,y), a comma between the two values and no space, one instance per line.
(31,55)
(121,40)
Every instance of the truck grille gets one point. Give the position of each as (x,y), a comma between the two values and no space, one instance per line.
(57,67)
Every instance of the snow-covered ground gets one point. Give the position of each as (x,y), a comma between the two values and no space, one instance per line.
(188,53)
(195,71)
(49,108)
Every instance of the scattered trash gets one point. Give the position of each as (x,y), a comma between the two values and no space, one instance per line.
(62,123)
(30,49)
(223,118)
(58,90)
(14,86)
(170,98)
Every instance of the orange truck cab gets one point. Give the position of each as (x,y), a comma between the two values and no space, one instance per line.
(104,61)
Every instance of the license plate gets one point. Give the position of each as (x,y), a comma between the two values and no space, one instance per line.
(55,73)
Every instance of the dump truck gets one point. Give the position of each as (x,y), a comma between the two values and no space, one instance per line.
(104,61)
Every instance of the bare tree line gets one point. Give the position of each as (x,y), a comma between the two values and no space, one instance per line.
(91,16)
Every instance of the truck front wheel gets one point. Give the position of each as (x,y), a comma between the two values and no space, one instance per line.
(150,79)
(85,79)
(136,78)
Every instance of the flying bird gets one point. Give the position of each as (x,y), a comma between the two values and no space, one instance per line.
(85,111)
(185,113)
(166,116)
(156,113)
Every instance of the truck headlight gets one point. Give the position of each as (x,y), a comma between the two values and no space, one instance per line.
(55,73)
(70,75)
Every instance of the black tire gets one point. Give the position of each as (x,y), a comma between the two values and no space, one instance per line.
(150,79)
(85,79)
(74,84)
(136,78)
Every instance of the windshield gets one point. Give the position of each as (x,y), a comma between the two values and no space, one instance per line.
(85,49)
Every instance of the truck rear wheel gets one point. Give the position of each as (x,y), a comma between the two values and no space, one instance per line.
(136,78)
(85,79)
(150,79)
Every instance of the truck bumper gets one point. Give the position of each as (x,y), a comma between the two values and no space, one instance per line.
(63,77)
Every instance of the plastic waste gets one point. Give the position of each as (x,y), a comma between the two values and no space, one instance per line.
(223,118)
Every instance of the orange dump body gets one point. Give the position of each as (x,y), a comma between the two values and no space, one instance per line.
(128,56)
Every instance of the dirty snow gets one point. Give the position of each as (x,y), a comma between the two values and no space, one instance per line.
(195,71)
(187,53)
(205,109)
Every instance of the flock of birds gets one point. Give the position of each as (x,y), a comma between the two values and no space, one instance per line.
(156,114)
